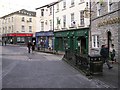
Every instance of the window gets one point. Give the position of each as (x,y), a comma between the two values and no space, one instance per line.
(12,28)
(30,28)
(64,21)
(64,4)
(12,19)
(42,12)
(110,2)
(9,29)
(30,19)
(42,26)
(57,7)
(95,41)
(50,10)
(82,18)
(72,18)
(8,19)
(50,24)
(98,9)
(23,28)
(23,19)
(72,2)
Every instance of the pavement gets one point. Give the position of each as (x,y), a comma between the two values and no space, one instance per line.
(109,76)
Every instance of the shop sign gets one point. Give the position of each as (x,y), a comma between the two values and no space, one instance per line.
(20,34)
(109,21)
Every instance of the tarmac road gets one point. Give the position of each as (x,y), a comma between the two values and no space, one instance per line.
(40,70)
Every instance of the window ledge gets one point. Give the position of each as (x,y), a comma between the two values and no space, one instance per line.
(81,3)
(63,9)
(96,49)
(72,6)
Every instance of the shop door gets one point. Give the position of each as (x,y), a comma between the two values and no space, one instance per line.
(83,45)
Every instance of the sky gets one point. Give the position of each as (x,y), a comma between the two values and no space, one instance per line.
(9,6)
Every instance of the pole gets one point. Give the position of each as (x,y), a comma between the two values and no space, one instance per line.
(53,29)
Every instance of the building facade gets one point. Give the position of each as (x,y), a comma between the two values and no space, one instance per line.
(72,26)
(66,18)
(105,24)
(18,27)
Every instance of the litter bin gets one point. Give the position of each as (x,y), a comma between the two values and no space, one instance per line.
(96,64)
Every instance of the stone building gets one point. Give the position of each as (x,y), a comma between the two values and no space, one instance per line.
(105,24)
(18,27)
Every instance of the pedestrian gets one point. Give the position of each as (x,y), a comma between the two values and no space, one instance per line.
(104,52)
(33,47)
(5,42)
(29,46)
(112,53)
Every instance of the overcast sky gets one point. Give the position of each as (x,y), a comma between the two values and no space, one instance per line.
(8,6)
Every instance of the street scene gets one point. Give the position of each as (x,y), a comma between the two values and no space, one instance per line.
(59,43)
(44,70)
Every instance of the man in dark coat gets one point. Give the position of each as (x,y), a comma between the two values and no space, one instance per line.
(105,55)
(29,46)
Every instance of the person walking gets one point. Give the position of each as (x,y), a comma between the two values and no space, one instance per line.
(112,53)
(33,47)
(29,46)
(104,52)
(5,42)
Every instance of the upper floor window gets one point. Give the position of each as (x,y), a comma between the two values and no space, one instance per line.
(64,4)
(110,2)
(12,19)
(82,18)
(12,28)
(72,2)
(23,19)
(57,7)
(42,26)
(42,12)
(98,9)
(95,41)
(30,28)
(50,24)
(64,21)
(72,19)
(50,10)
(30,19)
(23,28)
(8,19)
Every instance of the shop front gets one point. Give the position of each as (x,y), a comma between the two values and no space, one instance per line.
(75,40)
(18,38)
(45,39)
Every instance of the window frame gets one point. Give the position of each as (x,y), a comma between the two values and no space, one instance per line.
(95,41)
(42,26)
(23,28)
(82,21)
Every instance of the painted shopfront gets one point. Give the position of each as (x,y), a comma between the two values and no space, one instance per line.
(45,39)
(73,40)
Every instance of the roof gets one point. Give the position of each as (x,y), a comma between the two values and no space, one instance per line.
(49,5)
(23,12)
